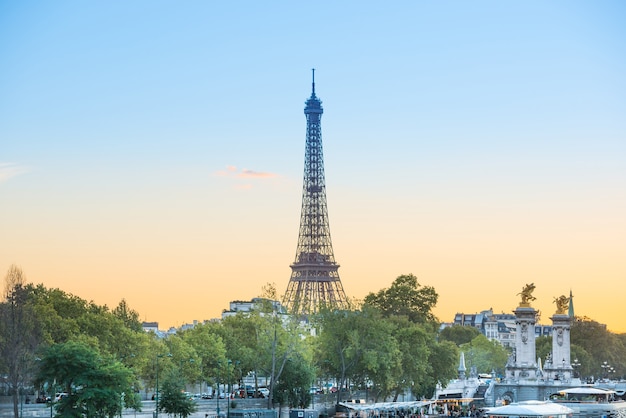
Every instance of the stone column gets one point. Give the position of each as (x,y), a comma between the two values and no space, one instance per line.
(561,365)
(524,365)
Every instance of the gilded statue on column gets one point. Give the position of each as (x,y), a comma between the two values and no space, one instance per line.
(527,295)
(562,304)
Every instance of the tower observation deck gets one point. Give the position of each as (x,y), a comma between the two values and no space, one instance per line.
(314,281)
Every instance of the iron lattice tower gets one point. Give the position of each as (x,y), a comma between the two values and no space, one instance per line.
(314,278)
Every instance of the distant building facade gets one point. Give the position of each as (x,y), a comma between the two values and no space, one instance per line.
(238,306)
(496,327)
(150,327)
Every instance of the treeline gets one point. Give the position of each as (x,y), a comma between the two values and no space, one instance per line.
(389,343)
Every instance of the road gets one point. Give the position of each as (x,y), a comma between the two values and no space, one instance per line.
(206,409)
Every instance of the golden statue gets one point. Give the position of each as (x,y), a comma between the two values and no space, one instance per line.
(527,295)
(562,304)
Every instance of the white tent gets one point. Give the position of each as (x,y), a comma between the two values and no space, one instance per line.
(383,407)
(530,409)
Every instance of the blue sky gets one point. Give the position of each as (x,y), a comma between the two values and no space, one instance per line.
(151,147)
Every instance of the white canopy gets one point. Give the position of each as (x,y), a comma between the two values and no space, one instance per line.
(386,406)
(586,391)
(530,409)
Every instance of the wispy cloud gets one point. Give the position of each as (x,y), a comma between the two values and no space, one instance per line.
(9,170)
(245,173)
(235,173)
(229,172)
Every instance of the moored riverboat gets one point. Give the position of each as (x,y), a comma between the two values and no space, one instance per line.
(591,402)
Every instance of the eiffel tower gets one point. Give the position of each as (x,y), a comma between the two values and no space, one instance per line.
(314,281)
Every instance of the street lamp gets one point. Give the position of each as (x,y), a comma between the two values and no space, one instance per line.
(156,396)
(228,393)
(217,391)
(606,367)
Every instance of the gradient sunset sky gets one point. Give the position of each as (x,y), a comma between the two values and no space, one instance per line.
(154,150)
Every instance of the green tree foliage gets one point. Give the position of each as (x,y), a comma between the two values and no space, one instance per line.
(443,363)
(409,306)
(209,348)
(543,347)
(293,388)
(64,317)
(128,316)
(581,357)
(41,317)
(184,358)
(419,350)
(172,400)
(405,297)
(95,384)
(59,312)
(459,334)
(485,355)
(358,346)
(601,345)
(239,334)
(279,339)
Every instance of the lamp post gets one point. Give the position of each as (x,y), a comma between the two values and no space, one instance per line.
(228,393)
(217,391)
(606,367)
(51,399)
(156,396)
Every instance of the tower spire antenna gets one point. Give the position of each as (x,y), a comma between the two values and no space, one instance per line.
(313,71)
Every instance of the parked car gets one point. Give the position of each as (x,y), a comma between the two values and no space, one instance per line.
(59,396)
(263,393)
(249,391)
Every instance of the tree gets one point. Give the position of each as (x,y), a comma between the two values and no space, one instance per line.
(405,297)
(209,349)
(459,334)
(184,358)
(601,345)
(485,355)
(19,334)
(172,400)
(238,339)
(95,384)
(129,316)
(415,345)
(442,363)
(357,346)
(278,340)
(543,347)
(425,362)
(293,388)
(58,313)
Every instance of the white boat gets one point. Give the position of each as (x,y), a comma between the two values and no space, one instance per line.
(591,402)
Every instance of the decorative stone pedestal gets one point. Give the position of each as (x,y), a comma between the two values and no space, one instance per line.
(523,365)
(559,367)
